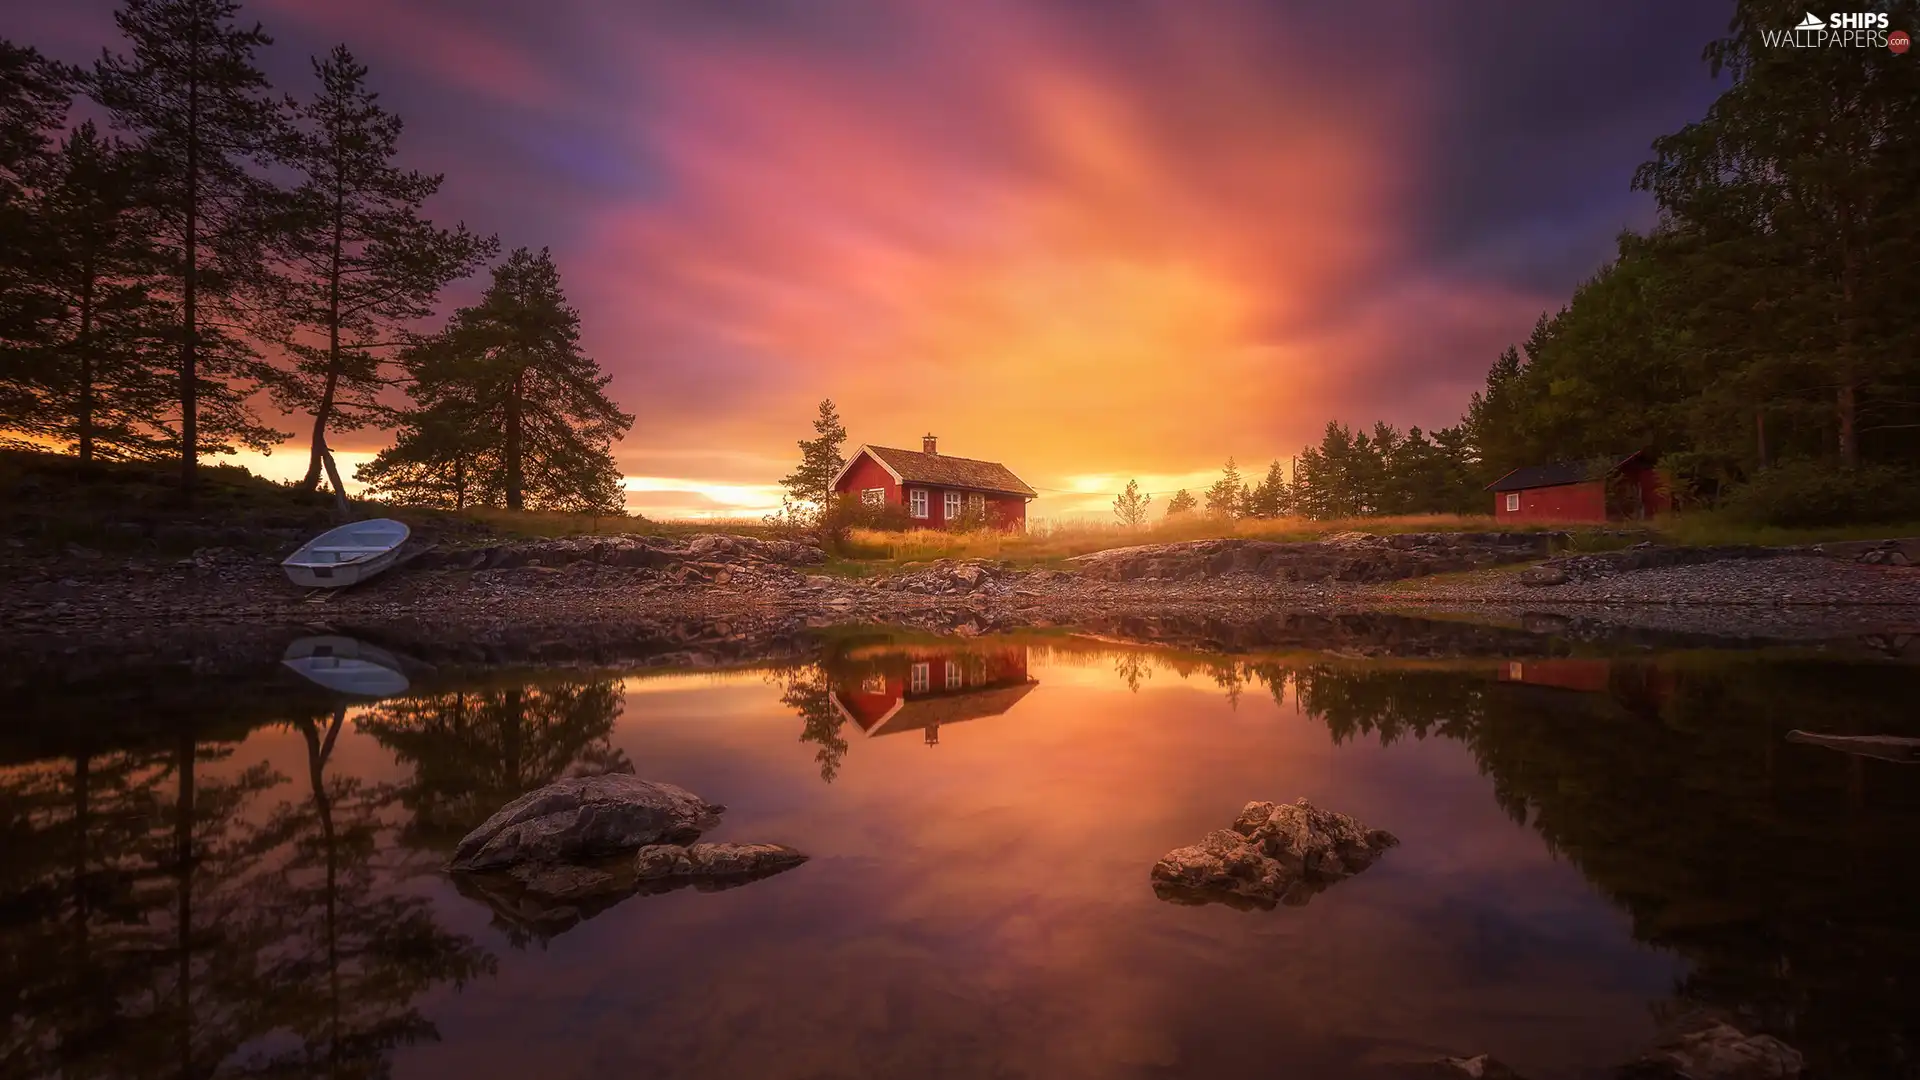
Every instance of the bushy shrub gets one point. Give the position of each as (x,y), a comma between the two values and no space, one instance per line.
(1804,493)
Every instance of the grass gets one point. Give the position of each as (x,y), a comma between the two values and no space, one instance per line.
(1701,528)
(1046,541)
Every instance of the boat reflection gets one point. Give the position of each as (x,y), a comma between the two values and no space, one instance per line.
(347,666)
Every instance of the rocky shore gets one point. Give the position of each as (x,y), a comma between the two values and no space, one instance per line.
(743,587)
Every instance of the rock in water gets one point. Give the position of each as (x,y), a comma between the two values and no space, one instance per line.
(660,862)
(582,818)
(1704,1046)
(1274,854)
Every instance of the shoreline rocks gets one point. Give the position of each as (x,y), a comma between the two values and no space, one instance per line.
(1273,855)
(1351,557)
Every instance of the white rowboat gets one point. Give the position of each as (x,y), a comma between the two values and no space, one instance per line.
(347,555)
(347,666)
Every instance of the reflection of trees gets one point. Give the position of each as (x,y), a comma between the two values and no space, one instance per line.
(159,918)
(804,690)
(1786,874)
(473,750)
(129,943)
(351,951)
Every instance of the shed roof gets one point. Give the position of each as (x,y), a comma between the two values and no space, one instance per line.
(944,470)
(1560,472)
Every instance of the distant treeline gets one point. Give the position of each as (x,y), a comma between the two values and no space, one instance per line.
(220,238)
(1761,339)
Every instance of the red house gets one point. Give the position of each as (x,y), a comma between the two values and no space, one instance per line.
(936,490)
(1627,489)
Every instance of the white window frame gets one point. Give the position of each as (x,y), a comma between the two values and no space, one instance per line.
(873,496)
(917,502)
(956,678)
(920,678)
(952,505)
(1513,502)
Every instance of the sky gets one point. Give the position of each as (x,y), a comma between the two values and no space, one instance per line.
(1092,239)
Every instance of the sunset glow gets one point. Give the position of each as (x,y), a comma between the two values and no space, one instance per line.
(1094,242)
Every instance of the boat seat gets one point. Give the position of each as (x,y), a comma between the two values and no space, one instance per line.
(356,547)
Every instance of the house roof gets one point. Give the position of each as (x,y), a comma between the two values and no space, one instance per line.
(943,470)
(1558,473)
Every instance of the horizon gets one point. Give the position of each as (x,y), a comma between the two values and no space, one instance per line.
(1092,246)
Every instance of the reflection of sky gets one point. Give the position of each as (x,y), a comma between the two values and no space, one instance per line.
(982,908)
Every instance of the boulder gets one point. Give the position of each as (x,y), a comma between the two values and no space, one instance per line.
(1542,576)
(1478,1067)
(1707,1046)
(1274,854)
(582,818)
(658,862)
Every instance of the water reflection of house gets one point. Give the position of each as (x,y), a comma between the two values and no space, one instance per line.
(888,691)
(1587,676)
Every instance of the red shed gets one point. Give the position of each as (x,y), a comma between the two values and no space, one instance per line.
(1608,489)
(938,491)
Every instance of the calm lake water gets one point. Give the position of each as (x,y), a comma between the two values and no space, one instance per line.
(242,878)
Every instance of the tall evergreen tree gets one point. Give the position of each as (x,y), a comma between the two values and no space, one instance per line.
(34,95)
(93,373)
(1227,495)
(1182,504)
(1270,498)
(190,94)
(811,483)
(357,260)
(505,391)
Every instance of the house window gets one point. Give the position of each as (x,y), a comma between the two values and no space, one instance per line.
(956,678)
(1513,502)
(875,683)
(873,496)
(920,678)
(977,503)
(953,505)
(917,502)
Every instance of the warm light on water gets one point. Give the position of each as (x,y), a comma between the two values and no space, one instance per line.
(1577,841)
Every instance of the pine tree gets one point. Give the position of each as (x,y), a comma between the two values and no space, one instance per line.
(34,95)
(1182,504)
(1224,498)
(191,95)
(1131,507)
(93,375)
(810,486)
(1270,498)
(506,402)
(357,262)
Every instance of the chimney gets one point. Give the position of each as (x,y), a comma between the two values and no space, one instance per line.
(928,444)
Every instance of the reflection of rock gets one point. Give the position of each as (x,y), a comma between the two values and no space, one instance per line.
(1479,1067)
(1704,1046)
(1273,855)
(544,900)
(582,818)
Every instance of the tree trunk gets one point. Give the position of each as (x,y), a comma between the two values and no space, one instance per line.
(190,286)
(1846,403)
(183,856)
(84,343)
(325,410)
(516,494)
